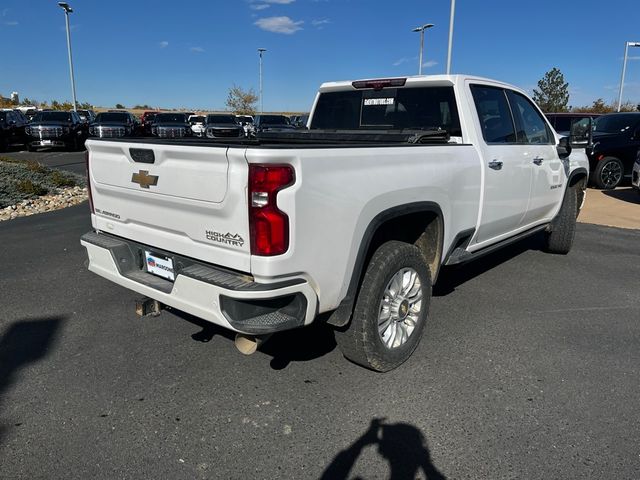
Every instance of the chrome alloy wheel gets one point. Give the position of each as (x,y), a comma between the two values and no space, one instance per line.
(611,174)
(400,307)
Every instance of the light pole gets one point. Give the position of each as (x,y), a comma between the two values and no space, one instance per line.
(624,68)
(421,30)
(260,52)
(67,10)
(453,14)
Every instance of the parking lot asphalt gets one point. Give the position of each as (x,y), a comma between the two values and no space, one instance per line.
(529,368)
(71,161)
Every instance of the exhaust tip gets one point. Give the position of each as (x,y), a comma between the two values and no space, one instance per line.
(247,344)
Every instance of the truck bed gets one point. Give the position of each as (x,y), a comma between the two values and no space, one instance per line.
(306,139)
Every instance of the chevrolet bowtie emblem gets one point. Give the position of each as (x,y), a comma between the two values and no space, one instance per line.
(143,179)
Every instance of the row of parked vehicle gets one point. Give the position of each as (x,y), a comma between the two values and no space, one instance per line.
(69,129)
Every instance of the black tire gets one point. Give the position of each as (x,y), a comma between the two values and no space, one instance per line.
(563,227)
(608,173)
(360,341)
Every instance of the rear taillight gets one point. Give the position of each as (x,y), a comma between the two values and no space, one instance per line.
(86,162)
(268,226)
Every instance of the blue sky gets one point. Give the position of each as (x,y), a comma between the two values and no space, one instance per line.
(188,54)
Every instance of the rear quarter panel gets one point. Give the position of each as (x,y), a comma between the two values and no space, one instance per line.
(338,192)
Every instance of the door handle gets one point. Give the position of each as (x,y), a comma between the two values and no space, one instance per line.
(538,160)
(495,164)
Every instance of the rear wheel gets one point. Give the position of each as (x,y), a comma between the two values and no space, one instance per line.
(391,309)
(563,227)
(608,173)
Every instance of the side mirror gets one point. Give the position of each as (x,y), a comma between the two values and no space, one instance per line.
(564,148)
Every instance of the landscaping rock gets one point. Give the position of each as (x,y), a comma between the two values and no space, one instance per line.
(64,197)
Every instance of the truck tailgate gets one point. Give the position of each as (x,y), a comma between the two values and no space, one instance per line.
(186,199)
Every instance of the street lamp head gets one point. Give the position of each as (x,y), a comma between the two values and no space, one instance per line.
(423,27)
(65,6)
(262,50)
(633,44)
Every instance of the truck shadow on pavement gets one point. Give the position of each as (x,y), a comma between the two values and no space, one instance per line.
(402,445)
(453,276)
(24,342)
(298,345)
(629,195)
(316,340)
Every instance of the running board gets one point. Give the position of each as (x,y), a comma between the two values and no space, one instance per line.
(461,255)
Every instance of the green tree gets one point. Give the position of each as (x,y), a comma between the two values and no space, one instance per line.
(5,102)
(120,106)
(241,102)
(598,106)
(552,94)
(30,101)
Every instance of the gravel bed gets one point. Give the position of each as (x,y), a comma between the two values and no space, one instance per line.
(64,197)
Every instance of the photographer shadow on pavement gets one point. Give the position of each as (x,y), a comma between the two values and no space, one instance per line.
(25,342)
(400,444)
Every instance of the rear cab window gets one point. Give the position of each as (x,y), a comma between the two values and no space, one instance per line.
(531,126)
(508,117)
(496,121)
(405,108)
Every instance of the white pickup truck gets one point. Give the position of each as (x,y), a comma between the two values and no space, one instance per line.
(352,217)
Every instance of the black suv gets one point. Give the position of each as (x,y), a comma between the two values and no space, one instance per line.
(53,128)
(114,125)
(170,125)
(263,123)
(12,126)
(576,125)
(616,139)
(217,126)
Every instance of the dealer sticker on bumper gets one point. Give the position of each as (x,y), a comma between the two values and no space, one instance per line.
(160,266)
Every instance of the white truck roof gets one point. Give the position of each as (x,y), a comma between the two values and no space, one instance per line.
(415,80)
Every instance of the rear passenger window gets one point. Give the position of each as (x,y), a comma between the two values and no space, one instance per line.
(531,125)
(494,113)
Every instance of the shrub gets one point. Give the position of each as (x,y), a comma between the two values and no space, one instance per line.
(36,167)
(31,189)
(61,180)
(20,180)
